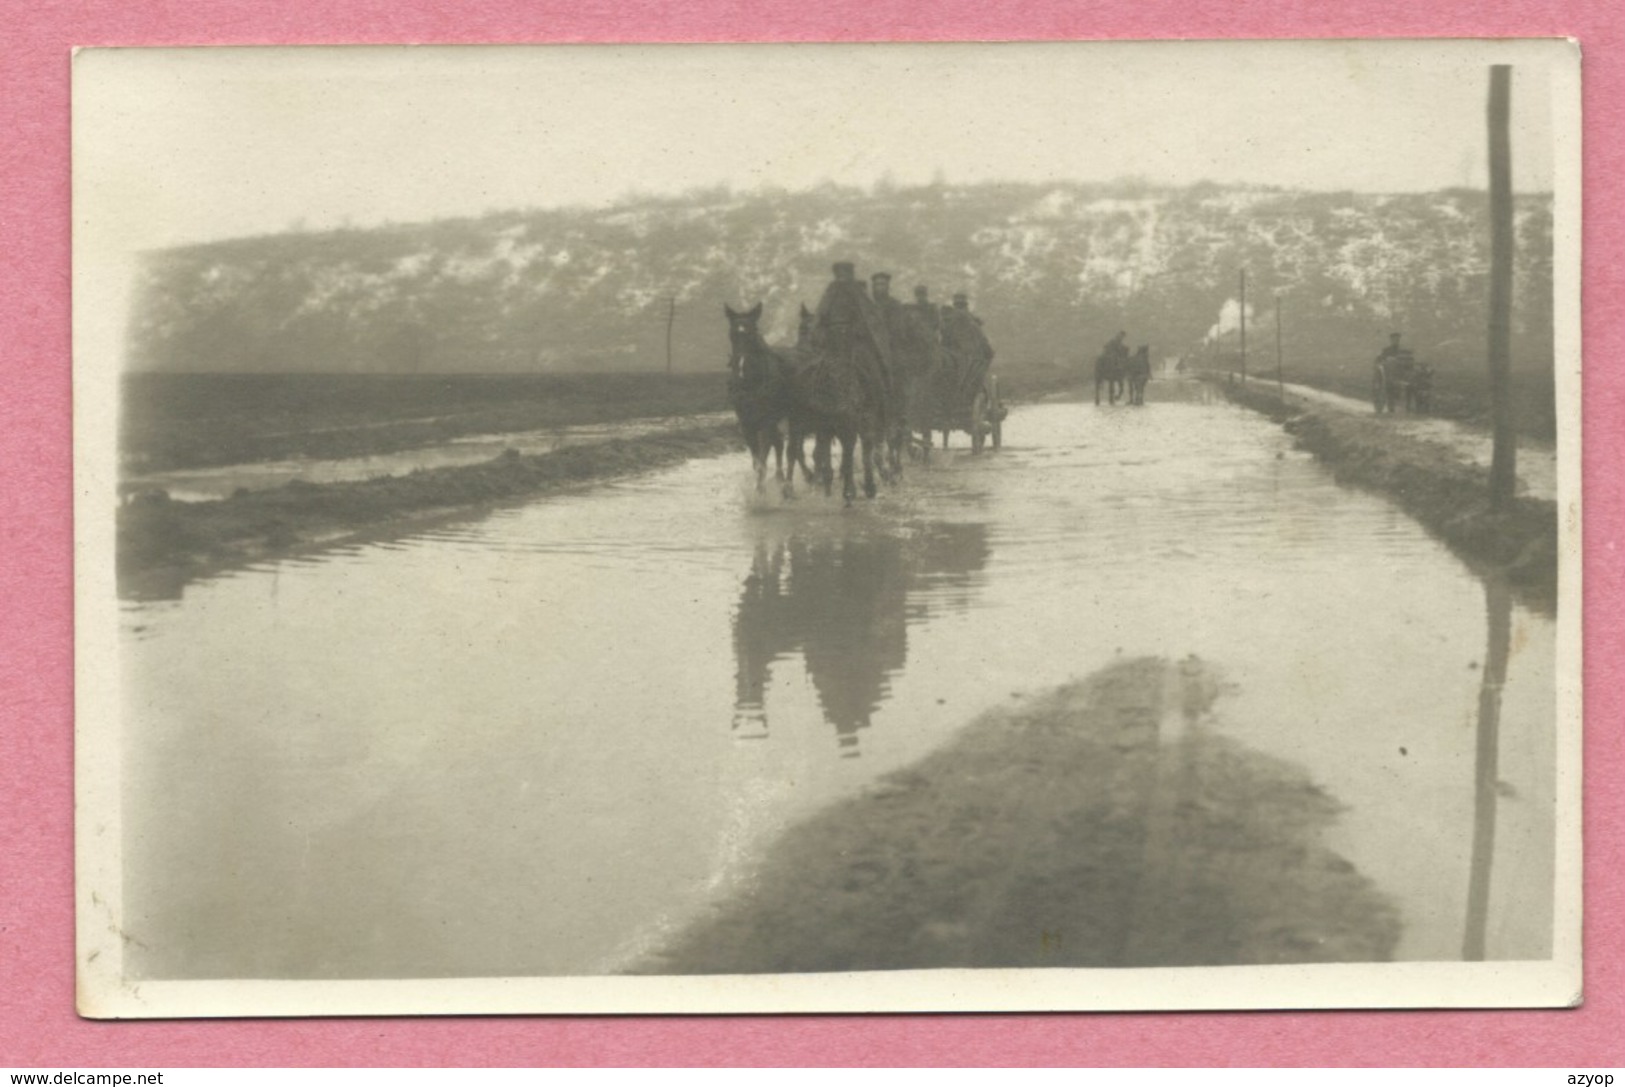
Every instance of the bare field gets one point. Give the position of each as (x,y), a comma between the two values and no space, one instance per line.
(202,420)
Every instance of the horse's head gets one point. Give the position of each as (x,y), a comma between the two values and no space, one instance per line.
(743,336)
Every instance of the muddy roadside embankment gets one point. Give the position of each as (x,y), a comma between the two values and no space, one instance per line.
(1106,823)
(1447,496)
(162,543)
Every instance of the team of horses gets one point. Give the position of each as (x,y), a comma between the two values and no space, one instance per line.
(783,395)
(1399,381)
(1121,375)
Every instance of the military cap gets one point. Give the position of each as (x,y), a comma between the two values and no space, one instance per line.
(881,276)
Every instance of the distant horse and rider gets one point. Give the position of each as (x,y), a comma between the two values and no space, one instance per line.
(1398,381)
(1139,374)
(1121,374)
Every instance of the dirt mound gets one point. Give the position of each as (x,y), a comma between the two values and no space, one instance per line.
(1105,824)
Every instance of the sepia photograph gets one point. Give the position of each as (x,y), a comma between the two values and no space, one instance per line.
(827,528)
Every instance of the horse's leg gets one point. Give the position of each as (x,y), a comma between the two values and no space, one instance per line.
(873,450)
(849,489)
(785,480)
(758,460)
(798,442)
(1097,390)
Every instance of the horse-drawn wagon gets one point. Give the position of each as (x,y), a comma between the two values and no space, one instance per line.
(966,394)
(1399,381)
(972,405)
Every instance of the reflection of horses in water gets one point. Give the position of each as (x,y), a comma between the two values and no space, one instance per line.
(842,602)
(759,389)
(1139,374)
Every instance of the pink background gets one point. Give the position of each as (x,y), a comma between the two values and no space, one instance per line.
(37,1023)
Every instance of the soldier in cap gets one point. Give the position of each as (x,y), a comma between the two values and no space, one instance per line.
(891,310)
(962,330)
(925,310)
(962,303)
(1117,348)
(849,326)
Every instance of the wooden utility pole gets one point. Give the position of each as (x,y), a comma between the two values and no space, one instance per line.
(1244,326)
(1280,382)
(671,316)
(1503,461)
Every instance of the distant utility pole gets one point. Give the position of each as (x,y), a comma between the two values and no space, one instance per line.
(1280,382)
(671,317)
(1503,461)
(1244,326)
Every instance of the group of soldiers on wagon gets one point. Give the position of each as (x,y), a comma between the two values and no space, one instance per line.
(924,362)
(867,371)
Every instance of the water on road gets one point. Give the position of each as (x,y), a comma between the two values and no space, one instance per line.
(544,741)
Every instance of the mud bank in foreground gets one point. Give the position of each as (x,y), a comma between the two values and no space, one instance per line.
(1448,496)
(1103,824)
(162,544)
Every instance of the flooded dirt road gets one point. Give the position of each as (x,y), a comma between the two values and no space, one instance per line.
(566,737)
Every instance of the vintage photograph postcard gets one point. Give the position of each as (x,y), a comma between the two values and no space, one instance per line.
(767,528)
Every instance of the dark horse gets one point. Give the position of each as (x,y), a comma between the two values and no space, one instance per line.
(1110,370)
(831,400)
(1139,374)
(759,389)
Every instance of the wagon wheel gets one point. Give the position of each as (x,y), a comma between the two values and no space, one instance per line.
(978,421)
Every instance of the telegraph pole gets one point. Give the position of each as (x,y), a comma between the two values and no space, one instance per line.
(671,317)
(1503,461)
(1244,326)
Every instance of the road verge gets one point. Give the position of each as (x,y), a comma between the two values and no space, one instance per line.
(1448,496)
(162,543)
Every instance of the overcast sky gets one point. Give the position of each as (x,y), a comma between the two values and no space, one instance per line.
(174,146)
(210,143)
